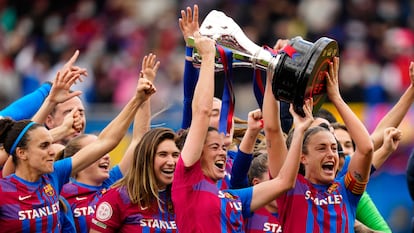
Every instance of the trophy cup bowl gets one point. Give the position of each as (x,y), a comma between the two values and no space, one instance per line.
(302,75)
(298,73)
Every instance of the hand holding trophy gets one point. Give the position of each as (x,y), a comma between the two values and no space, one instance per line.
(298,69)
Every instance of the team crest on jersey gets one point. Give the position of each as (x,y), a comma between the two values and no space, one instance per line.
(48,189)
(332,188)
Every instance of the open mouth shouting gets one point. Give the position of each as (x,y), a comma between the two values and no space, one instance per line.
(220,164)
(169,172)
(328,167)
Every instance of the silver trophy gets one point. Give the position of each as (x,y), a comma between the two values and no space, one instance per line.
(298,72)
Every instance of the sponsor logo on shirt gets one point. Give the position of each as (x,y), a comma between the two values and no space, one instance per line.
(157,223)
(230,196)
(83,211)
(234,202)
(21,198)
(39,212)
(272,227)
(81,198)
(333,199)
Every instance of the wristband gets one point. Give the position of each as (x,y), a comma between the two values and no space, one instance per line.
(188,53)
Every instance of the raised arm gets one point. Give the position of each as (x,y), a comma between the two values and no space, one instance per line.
(189,22)
(392,137)
(113,133)
(188,25)
(394,117)
(254,126)
(202,102)
(60,91)
(26,106)
(275,141)
(142,117)
(244,155)
(267,191)
(360,164)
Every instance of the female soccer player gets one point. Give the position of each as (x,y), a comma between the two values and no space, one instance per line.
(318,202)
(87,186)
(30,196)
(199,205)
(189,24)
(141,201)
(265,219)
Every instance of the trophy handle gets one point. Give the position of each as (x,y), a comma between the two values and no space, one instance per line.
(261,59)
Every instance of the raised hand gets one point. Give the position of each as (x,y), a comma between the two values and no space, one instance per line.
(332,80)
(65,78)
(300,122)
(149,67)
(392,138)
(204,45)
(145,89)
(189,22)
(280,44)
(69,66)
(60,91)
(255,120)
(78,123)
(73,122)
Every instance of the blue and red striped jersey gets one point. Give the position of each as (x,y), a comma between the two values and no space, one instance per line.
(83,198)
(33,206)
(318,208)
(263,221)
(201,207)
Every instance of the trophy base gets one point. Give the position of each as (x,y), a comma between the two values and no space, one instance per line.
(300,74)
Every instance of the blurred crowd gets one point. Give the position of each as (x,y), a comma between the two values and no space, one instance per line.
(375,39)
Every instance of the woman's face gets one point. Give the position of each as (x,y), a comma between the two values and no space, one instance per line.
(213,158)
(322,160)
(346,141)
(39,154)
(97,172)
(165,160)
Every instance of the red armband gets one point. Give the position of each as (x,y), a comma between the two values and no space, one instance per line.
(355,186)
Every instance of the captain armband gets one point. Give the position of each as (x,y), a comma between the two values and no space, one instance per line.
(355,186)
